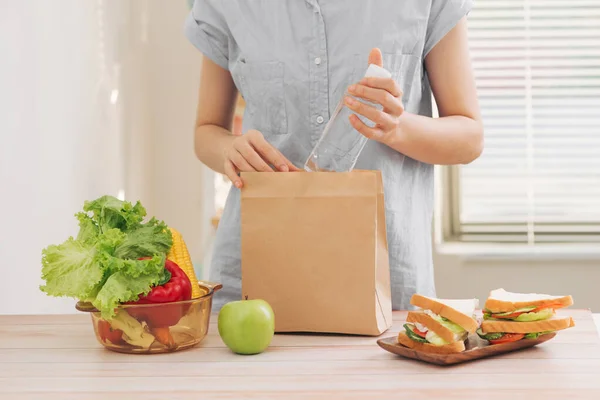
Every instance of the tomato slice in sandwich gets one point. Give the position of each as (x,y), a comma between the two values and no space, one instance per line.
(508,337)
(418,332)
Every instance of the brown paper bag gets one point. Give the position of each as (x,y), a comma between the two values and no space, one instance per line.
(314,246)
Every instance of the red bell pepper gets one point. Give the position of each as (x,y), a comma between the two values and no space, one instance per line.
(178,288)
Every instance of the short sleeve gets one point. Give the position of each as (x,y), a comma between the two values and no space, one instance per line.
(206,29)
(444,16)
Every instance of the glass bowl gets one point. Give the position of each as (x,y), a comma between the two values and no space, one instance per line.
(155,328)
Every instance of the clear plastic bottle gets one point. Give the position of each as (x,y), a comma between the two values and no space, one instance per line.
(340,144)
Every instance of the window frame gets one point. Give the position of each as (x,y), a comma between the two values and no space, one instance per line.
(507,235)
(453,229)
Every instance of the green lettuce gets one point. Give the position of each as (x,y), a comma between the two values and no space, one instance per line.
(140,240)
(109,212)
(498,335)
(154,237)
(71,269)
(103,264)
(88,230)
(131,279)
(535,335)
(489,336)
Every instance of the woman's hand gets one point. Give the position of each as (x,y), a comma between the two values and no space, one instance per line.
(251,152)
(383,91)
(456,137)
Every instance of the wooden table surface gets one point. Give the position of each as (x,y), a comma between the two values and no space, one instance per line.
(57,357)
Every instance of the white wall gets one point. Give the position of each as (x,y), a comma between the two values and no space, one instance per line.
(182,189)
(62,141)
(56,148)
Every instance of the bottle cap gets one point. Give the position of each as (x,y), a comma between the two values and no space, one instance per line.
(377,71)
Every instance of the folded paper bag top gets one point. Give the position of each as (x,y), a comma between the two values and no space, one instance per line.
(314,246)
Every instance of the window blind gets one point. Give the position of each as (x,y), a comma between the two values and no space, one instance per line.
(537,67)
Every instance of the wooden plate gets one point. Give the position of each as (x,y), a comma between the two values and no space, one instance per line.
(476,348)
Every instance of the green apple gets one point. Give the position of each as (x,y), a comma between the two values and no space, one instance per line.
(247,326)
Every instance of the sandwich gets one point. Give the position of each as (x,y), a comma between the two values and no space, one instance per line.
(508,317)
(439,325)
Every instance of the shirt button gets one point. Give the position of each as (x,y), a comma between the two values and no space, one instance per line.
(318,60)
(320,119)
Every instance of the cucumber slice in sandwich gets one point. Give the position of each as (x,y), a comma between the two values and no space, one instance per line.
(541,315)
(411,334)
(455,328)
(489,336)
(433,338)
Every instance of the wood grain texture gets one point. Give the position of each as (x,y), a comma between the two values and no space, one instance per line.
(57,357)
(413,394)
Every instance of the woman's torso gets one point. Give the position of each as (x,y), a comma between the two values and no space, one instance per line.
(292,61)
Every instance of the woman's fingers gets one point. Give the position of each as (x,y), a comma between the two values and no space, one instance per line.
(387,84)
(375,115)
(379,96)
(370,133)
(240,162)
(292,167)
(253,158)
(232,174)
(251,152)
(270,153)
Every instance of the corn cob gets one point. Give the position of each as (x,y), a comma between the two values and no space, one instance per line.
(179,255)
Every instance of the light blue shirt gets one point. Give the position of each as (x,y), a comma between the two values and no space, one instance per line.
(292,60)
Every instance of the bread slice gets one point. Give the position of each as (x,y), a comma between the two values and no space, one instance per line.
(455,347)
(459,311)
(552,324)
(500,301)
(431,324)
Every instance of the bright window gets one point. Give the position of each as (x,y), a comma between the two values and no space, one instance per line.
(537,65)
